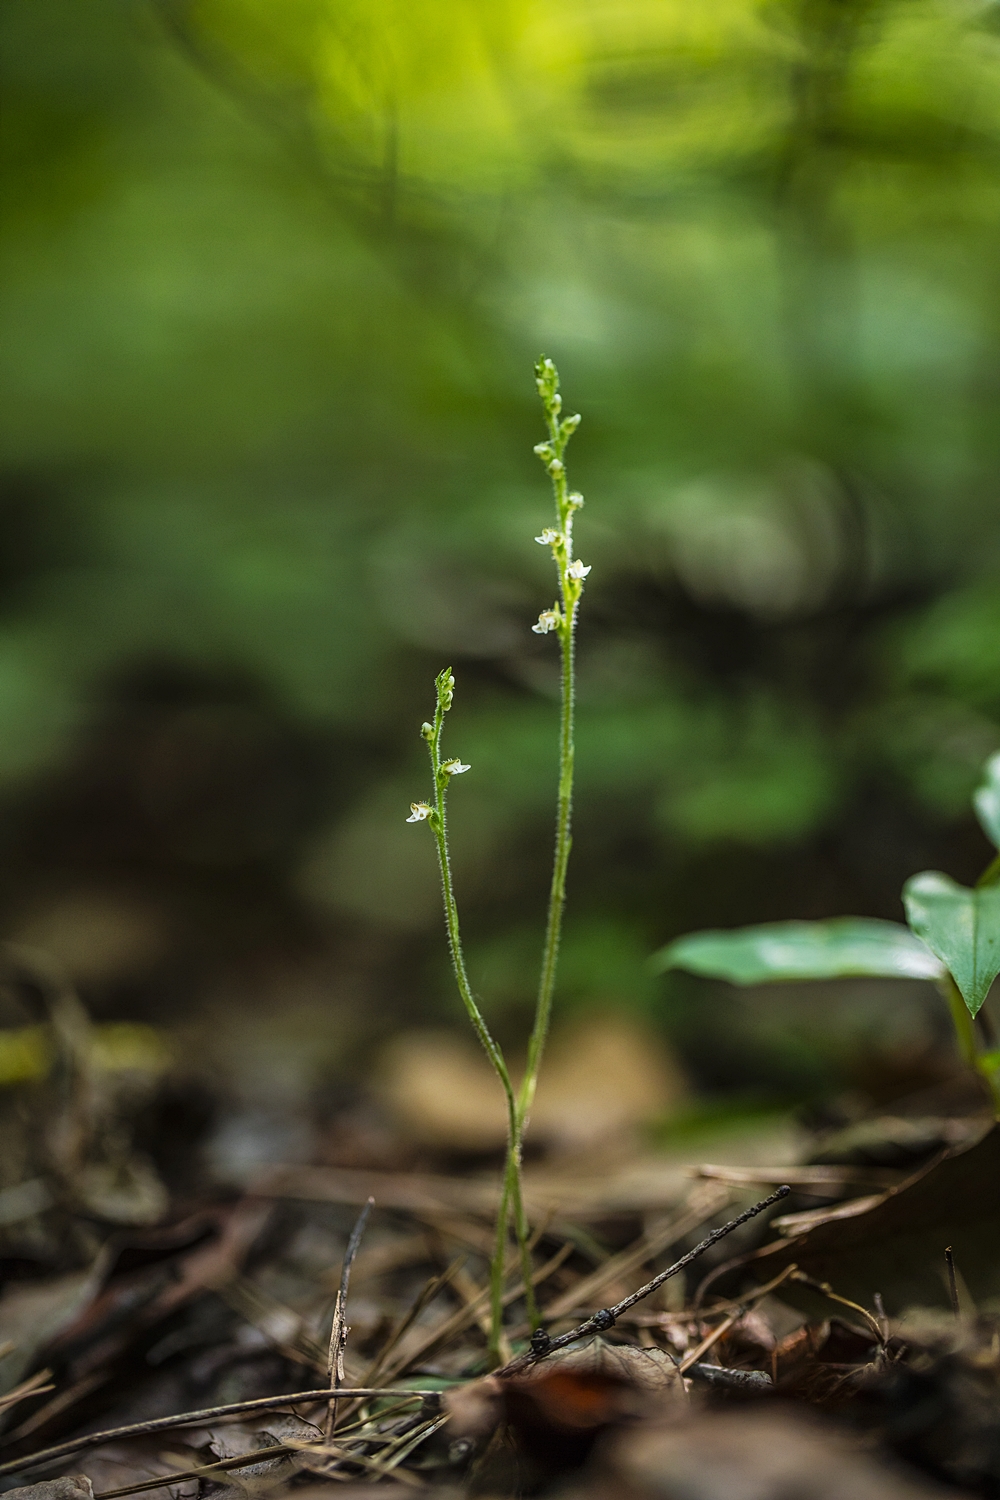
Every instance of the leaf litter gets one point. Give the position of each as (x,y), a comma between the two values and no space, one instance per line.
(813,1351)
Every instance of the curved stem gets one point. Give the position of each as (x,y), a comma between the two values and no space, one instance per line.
(511,1190)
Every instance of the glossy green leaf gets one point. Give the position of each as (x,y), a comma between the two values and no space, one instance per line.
(986,800)
(839,948)
(961,926)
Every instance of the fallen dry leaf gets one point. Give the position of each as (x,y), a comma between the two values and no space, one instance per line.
(893,1242)
(747,1455)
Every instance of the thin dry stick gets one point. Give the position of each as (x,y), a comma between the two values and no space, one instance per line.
(690,1316)
(33,1387)
(195,1419)
(827,1290)
(705,1203)
(949,1260)
(606,1317)
(738,1311)
(466,1315)
(176,1476)
(710,1340)
(345,1455)
(338,1328)
(55,1406)
(430,1291)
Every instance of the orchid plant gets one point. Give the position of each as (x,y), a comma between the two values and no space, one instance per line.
(559,620)
(952,937)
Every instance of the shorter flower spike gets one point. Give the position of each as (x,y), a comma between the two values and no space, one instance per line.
(577,569)
(455,767)
(419,811)
(549,619)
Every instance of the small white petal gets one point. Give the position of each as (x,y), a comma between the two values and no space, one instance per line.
(547,620)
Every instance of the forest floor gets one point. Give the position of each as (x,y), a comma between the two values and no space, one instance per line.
(177,1342)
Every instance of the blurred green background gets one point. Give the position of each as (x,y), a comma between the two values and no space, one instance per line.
(274,276)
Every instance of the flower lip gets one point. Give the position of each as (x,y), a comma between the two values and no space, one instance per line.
(418,812)
(455,767)
(547,620)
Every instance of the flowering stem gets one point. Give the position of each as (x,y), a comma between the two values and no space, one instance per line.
(510,1197)
(561,619)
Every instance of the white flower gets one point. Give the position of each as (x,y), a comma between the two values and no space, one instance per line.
(578,570)
(454,767)
(418,812)
(547,620)
(550,537)
(575,500)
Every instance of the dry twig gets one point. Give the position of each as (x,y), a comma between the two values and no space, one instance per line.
(606,1317)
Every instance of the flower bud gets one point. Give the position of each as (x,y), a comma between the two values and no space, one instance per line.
(427,731)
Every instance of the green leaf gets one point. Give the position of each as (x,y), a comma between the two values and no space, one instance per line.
(986,800)
(835,949)
(961,926)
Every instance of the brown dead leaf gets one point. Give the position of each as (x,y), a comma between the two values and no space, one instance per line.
(66,1487)
(557,1410)
(893,1242)
(747,1455)
(119,1464)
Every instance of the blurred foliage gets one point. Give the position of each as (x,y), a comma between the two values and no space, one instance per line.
(273,278)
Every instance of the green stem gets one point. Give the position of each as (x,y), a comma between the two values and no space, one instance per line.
(557,889)
(569,589)
(511,1190)
(965,1032)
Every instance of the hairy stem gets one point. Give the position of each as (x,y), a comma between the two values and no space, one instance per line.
(561,618)
(511,1190)
(570,588)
